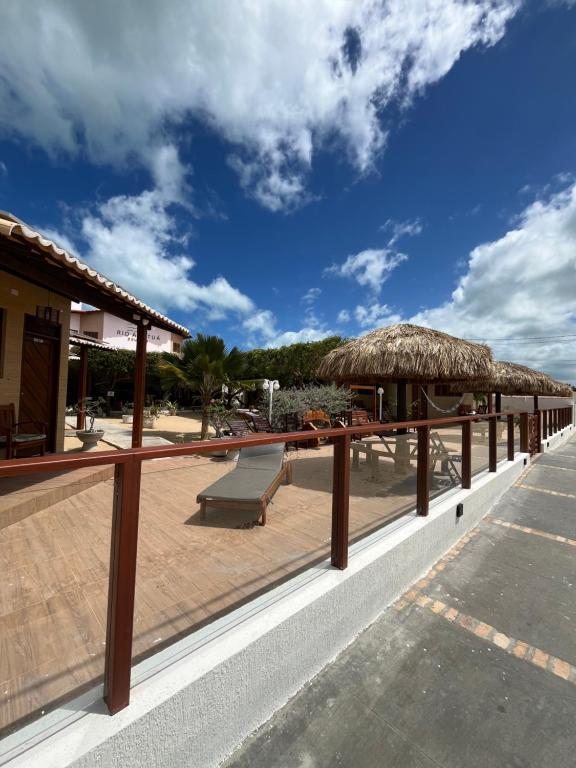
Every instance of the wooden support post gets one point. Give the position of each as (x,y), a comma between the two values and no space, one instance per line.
(490,408)
(82,388)
(498,402)
(139,386)
(555,420)
(401,404)
(510,436)
(492,444)
(538,415)
(423,471)
(122,585)
(524,439)
(544,425)
(340,501)
(467,454)
(535,403)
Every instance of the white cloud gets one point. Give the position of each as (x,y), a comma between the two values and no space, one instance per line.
(375,315)
(311,296)
(170,174)
(131,240)
(343,316)
(263,331)
(399,229)
(521,285)
(370,268)
(277,80)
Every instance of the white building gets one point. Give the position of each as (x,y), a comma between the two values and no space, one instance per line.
(119,333)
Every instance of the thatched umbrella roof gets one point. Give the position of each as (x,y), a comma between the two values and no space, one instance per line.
(513,379)
(406,351)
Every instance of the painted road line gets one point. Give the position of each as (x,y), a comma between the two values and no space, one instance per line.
(518,648)
(527,487)
(531,531)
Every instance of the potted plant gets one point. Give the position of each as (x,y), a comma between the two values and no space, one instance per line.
(168,407)
(150,415)
(127,413)
(217,414)
(89,437)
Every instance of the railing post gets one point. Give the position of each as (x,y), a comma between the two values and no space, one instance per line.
(82,388)
(492,444)
(555,420)
(340,501)
(524,446)
(538,415)
(467,454)
(544,424)
(122,585)
(423,471)
(510,419)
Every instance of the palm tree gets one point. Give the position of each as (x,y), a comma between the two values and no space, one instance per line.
(204,365)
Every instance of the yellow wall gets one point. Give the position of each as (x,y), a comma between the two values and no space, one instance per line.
(19,298)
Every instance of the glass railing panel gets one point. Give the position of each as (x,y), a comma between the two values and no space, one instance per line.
(479,446)
(198,560)
(55,533)
(382,480)
(502,439)
(445,459)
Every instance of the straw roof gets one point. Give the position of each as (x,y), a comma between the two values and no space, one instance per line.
(514,379)
(406,351)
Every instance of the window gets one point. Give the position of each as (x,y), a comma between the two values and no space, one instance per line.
(92,334)
(49,314)
(176,346)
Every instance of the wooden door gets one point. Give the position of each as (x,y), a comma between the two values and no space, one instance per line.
(39,384)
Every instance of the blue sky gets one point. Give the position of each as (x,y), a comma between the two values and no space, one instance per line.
(284,171)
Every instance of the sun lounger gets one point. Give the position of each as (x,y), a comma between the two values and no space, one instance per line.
(252,483)
(239,427)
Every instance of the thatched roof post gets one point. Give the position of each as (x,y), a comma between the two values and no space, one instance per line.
(401,404)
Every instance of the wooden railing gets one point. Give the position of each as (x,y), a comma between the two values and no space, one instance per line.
(128,467)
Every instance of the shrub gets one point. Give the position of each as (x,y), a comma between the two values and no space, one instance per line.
(323,397)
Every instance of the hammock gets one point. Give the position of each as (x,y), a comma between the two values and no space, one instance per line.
(443,410)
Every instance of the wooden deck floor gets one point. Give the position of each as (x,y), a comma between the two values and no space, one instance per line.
(53,595)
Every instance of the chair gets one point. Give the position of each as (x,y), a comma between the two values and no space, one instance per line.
(292,423)
(315,420)
(252,483)
(13,439)
(358,418)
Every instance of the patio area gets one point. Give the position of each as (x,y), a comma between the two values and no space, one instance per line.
(53,597)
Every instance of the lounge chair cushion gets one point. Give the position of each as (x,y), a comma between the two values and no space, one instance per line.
(255,471)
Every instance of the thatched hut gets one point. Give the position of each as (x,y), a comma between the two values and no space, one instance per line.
(507,378)
(404,354)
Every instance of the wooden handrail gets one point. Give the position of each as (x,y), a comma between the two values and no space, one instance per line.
(63,462)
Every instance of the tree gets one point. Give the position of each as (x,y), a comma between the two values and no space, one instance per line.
(292,365)
(205,364)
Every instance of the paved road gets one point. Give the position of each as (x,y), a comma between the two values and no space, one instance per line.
(474,667)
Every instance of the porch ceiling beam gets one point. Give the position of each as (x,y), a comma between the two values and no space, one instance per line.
(34,267)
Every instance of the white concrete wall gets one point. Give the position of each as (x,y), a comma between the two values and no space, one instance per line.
(194,702)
